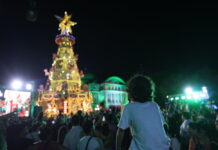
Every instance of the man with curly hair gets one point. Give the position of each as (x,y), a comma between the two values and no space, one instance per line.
(143,116)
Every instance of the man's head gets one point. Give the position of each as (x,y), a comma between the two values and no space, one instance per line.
(75,120)
(79,113)
(141,88)
(87,127)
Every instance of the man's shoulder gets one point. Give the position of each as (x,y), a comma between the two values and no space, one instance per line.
(96,142)
(73,131)
(76,128)
(84,138)
(134,104)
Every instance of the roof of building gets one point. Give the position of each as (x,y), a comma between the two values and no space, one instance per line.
(115,79)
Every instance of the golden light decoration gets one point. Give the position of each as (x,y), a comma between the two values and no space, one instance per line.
(64,91)
(66,23)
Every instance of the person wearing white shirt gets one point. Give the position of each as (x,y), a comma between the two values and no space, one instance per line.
(174,142)
(184,126)
(90,141)
(184,130)
(143,117)
(73,136)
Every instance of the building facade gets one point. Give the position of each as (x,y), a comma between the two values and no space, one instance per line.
(112,92)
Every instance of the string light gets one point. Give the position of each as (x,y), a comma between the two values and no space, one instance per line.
(65,107)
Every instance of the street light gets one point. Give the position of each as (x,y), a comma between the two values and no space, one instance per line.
(188,90)
(204,89)
(29,86)
(17,84)
(183,97)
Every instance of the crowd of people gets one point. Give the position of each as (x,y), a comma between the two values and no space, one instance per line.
(142,125)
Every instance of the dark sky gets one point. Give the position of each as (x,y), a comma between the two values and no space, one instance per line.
(112,38)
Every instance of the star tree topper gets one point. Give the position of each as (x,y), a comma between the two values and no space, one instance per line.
(65,23)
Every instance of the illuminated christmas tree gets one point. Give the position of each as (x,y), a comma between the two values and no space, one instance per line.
(63,92)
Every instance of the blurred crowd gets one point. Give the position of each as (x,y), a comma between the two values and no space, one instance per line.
(187,131)
(192,129)
(142,125)
(63,132)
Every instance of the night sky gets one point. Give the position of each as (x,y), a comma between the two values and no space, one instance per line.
(111,38)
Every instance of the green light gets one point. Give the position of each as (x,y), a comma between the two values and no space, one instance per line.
(183,97)
(101,97)
(172,99)
(115,79)
(177,98)
(188,90)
